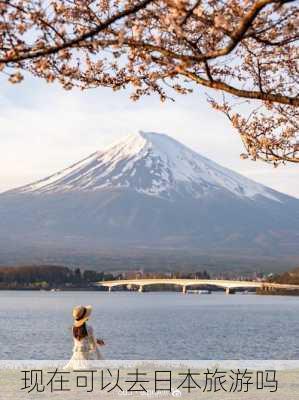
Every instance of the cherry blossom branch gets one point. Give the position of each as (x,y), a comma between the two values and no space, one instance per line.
(76,41)
(248,94)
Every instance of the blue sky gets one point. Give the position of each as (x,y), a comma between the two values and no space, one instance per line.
(45,128)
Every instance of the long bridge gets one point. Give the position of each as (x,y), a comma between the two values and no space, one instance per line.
(228,285)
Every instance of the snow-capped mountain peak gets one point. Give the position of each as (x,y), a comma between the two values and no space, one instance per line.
(153,164)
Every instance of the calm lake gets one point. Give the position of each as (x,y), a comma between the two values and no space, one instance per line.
(37,325)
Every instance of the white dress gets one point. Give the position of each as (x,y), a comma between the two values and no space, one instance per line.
(84,351)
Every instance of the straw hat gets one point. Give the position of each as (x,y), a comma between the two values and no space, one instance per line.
(81,315)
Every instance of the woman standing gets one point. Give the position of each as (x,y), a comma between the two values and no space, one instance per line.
(86,346)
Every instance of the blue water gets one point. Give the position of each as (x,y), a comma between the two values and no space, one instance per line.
(37,325)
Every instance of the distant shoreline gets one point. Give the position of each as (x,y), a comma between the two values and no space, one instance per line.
(259,292)
(60,278)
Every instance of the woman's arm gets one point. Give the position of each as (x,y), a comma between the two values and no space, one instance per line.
(93,341)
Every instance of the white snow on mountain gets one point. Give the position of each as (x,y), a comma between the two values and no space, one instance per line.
(153,164)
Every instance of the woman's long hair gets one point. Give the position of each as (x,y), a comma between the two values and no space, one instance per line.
(80,332)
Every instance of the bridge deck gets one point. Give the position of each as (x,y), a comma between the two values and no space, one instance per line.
(226,284)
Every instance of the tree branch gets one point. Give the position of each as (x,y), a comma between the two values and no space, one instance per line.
(248,94)
(73,42)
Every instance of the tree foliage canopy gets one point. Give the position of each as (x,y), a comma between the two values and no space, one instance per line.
(246,49)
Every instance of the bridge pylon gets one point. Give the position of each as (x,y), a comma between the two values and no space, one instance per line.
(229,290)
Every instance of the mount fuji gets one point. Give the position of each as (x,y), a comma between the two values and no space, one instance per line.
(150,190)
(152,164)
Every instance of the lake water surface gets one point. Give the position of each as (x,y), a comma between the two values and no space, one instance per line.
(37,325)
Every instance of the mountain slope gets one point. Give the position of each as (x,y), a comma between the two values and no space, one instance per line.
(150,190)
